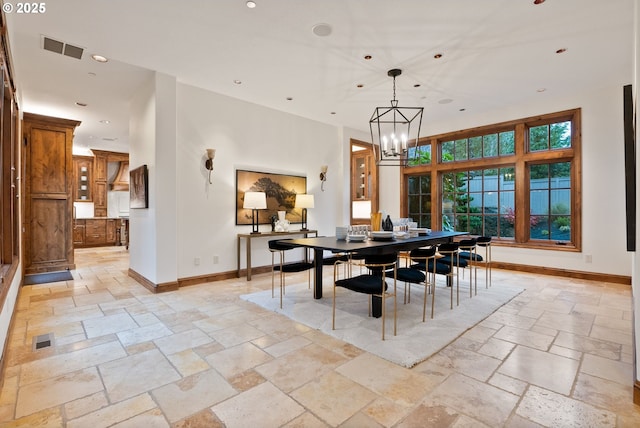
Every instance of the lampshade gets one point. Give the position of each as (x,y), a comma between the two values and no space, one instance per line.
(304,201)
(395,131)
(255,200)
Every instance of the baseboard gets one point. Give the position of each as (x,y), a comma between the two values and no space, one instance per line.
(542,270)
(152,286)
(194,280)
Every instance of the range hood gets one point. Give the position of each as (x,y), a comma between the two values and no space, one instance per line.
(121,182)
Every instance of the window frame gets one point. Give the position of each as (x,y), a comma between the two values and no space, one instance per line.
(520,161)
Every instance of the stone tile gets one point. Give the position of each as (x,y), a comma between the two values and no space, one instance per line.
(432,416)
(478,400)
(102,296)
(385,412)
(605,368)
(203,419)
(149,419)
(360,420)
(508,383)
(525,337)
(497,348)
(286,346)
(192,394)
(298,367)
(188,362)
(118,412)
(333,397)
(57,365)
(565,352)
(589,345)
(576,323)
(233,361)
(467,362)
(387,379)
(55,391)
(308,420)
(49,418)
(143,334)
(554,410)
(84,405)
(184,340)
(262,406)
(246,380)
(133,375)
(236,335)
(611,335)
(540,368)
(108,324)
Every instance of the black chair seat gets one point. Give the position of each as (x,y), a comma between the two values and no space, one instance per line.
(459,262)
(441,269)
(367,284)
(414,276)
(332,260)
(470,256)
(294,267)
(280,245)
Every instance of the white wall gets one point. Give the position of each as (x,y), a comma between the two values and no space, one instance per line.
(636,255)
(251,137)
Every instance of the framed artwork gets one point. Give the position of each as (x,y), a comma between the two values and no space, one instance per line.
(281,190)
(139,187)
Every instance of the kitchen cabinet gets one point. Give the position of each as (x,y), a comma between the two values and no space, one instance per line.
(82,178)
(95,232)
(364,183)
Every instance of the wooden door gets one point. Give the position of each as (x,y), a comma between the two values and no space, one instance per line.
(48,171)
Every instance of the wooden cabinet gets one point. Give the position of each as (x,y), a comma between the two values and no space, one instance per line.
(95,232)
(48,198)
(78,233)
(83,178)
(100,184)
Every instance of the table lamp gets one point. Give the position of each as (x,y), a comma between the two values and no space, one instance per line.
(304,201)
(255,201)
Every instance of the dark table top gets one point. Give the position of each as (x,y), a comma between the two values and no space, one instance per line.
(331,243)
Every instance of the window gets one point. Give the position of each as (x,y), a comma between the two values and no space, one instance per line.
(515,181)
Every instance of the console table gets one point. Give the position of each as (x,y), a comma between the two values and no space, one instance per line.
(250,236)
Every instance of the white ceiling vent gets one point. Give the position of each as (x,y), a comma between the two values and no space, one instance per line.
(62,48)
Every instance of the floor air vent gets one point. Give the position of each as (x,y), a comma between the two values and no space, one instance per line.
(42,341)
(61,48)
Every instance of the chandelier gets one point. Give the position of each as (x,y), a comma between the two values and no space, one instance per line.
(395,130)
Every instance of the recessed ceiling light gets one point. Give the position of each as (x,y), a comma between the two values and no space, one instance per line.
(99,58)
(445,101)
(79,104)
(462,109)
(237,82)
(333,112)
(322,30)
(289,99)
(251,4)
(368,57)
(417,85)
(109,139)
(92,74)
(561,50)
(538,1)
(541,89)
(360,85)
(438,56)
(105,121)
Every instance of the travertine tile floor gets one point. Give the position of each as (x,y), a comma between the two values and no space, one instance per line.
(558,355)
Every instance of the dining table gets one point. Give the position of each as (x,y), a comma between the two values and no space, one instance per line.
(368,246)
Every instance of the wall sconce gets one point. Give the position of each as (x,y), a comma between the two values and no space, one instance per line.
(255,201)
(304,201)
(211,153)
(323,175)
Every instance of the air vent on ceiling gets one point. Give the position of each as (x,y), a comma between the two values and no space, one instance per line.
(62,48)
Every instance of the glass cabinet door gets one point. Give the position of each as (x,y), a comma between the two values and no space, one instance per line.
(83,178)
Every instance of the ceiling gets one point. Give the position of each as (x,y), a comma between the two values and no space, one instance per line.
(494,53)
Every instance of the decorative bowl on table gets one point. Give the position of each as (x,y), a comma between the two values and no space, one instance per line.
(382,235)
(421,231)
(356,238)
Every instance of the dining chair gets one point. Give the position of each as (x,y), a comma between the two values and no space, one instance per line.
(449,253)
(424,259)
(372,283)
(468,255)
(280,246)
(485,243)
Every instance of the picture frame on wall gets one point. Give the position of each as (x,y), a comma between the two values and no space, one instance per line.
(281,190)
(139,187)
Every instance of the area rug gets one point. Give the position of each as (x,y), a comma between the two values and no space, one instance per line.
(42,278)
(415,341)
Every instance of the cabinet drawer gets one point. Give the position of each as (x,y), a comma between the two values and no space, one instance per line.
(95,231)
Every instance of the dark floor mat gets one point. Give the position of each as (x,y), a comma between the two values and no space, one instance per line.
(41,278)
